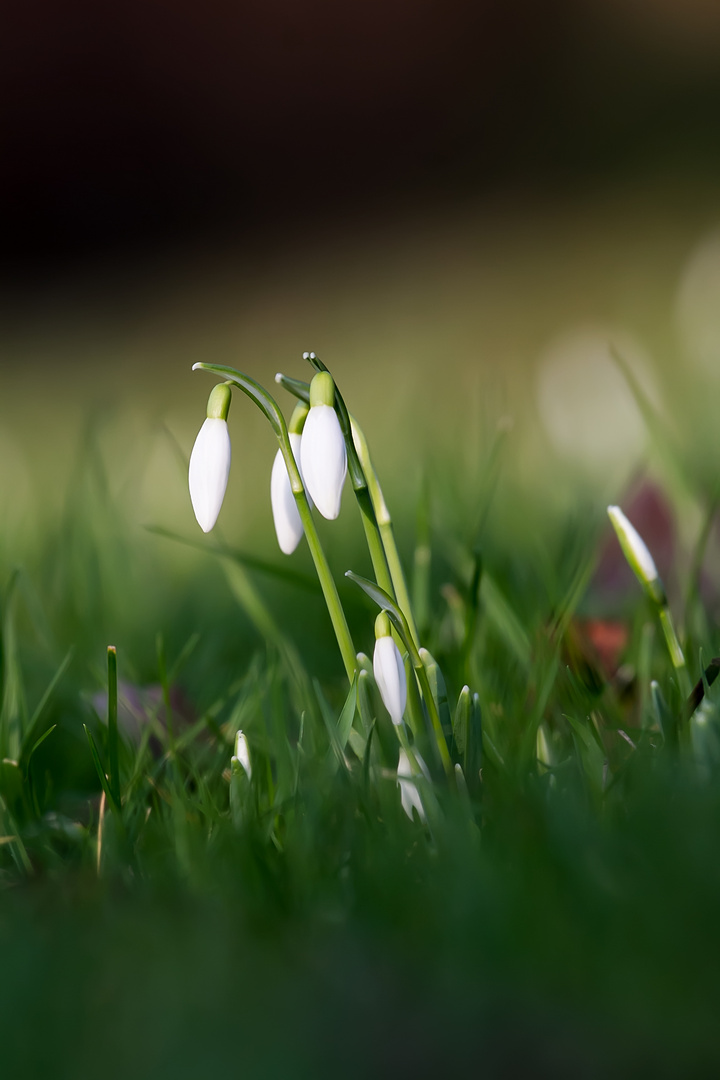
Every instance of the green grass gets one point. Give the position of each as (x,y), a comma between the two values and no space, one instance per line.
(554,915)
(558,918)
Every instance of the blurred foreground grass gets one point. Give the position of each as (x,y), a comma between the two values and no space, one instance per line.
(567,924)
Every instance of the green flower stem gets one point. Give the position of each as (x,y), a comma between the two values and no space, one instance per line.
(385,526)
(268,406)
(376,517)
(676,654)
(397,618)
(327,582)
(422,678)
(359,483)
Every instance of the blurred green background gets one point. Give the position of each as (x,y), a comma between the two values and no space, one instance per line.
(460,210)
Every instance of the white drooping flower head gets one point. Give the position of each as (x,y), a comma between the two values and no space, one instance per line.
(409,794)
(242,754)
(210,460)
(389,670)
(635,550)
(288,526)
(322,451)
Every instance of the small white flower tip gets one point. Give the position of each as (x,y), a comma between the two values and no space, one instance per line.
(389,672)
(196,365)
(409,794)
(323,459)
(242,753)
(209,471)
(278,376)
(633,545)
(286,516)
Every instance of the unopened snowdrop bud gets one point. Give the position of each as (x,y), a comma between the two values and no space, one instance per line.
(210,460)
(389,670)
(409,794)
(636,552)
(288,526)
(241,757)
(322,451)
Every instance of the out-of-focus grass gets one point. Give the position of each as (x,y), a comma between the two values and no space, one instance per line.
(569,927)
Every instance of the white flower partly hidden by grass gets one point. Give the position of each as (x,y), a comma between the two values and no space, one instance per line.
(322,451)
(389,670)
(636,552)
(409,794)
(288,526)
(241,757)
(210,460)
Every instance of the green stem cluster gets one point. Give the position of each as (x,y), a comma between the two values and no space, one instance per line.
(268,406)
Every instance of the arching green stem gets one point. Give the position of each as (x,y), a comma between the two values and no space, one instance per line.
(382,518)
(386,602)
(269,408)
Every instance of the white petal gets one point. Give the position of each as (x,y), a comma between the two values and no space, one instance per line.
(242,753)
(389,672)
(209,469)
(286,516)
(644,562)
(324,460)
(409,794)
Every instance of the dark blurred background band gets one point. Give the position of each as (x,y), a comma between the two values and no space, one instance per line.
(148,121)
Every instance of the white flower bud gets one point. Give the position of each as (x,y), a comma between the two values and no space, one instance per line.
(209,470)
(637,554)
(389,672)
(242,754)
(288,526)
(322,450)
(409,794)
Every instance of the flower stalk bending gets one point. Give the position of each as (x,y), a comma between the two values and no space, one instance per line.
(269,408)
(643,566)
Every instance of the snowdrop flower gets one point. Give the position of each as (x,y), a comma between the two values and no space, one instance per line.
(389,670)
(636,552)
(409,794)
(241,757)
(322,450)
(286,515)
(210,460)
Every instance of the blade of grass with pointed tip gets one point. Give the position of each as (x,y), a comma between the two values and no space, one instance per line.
(33,737)
(99,770)
(347,715)
(336,749)
(112,725)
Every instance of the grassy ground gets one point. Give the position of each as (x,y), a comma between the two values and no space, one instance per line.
(559,918)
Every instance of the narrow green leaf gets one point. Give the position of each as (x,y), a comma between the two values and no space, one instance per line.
(112,724)
(345,720)
(36,744)
(33,736)
(300,389)
(99,770)
(474,745)
(461,719)
(327,715)
(397,618)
